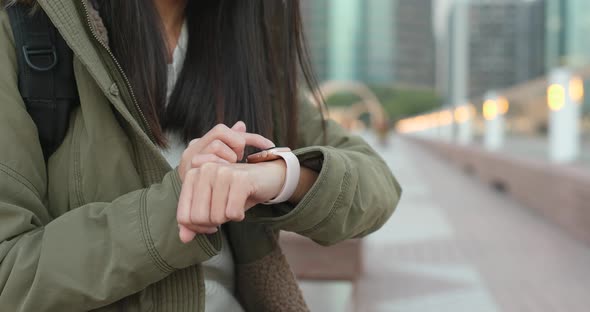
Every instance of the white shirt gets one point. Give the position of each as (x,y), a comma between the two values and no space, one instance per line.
(219,270)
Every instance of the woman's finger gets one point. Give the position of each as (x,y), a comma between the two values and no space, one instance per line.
(239,126)
(183,211)
(238,194)
(192,230)
(235,140)
(258,141)
(229,137)
(186,235)
(202,159)
(219,195)
(220,149)
(201,203)
(201,229)
(221,132)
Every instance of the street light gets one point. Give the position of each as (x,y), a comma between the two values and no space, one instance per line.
(556,97)
(464,119)
(577,89)
(445,118)
(564,96)
(503,105)
(494,109)
(490,109)
(463,113)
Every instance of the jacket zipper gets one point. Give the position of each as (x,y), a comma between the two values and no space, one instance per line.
(121,72)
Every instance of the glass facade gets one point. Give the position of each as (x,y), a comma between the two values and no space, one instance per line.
(344,30)
(567,30)
(374,41)
(315,24)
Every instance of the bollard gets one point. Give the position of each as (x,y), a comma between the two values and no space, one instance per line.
(464,115)
(564,97)
(494,109)
(445,128)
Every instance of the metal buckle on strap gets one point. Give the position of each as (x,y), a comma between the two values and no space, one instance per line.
(31,52)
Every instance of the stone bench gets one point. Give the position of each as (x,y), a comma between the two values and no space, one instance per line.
(312,262)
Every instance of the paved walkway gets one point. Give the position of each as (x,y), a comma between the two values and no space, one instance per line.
(456,245)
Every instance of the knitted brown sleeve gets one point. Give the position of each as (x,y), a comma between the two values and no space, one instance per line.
(270,285)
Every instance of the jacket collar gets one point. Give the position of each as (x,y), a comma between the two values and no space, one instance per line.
(93,15)
(73,18)
(96,21)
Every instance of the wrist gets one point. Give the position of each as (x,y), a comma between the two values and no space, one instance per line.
(291,170)
(269,178)
(292,186)
(307,179)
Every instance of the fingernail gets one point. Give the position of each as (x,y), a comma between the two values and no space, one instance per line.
(271,143)
(186,237)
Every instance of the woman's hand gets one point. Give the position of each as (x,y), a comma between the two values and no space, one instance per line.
(222,144)
(216,193)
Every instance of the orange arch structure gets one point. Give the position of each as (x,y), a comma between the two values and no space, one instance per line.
(369,103)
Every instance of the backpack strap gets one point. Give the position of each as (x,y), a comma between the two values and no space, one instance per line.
(46,76)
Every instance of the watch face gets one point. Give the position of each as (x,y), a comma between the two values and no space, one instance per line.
(267,155)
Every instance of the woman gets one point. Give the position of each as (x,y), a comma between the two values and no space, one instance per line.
(132,212)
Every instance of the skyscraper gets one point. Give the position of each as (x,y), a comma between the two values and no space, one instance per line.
(315,23)
(567,29)
(375,41)
(414,61)
(378,44)
(506,43)
(345,29)
(503,42)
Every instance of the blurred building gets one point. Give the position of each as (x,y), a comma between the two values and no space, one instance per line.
(567,28)
(506,44)
(315,22)
(491,44)
(375,41)
(378,43)
(414,62)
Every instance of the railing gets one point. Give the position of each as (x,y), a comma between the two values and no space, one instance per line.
(545,116)
(527,141)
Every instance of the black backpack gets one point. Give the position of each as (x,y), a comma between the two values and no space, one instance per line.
(45,74)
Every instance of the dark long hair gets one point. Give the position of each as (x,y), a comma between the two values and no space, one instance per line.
(245,61)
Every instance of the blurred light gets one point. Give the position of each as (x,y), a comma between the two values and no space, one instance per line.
(415,124)
(463,113)
(472,110)
(445,118)
(555,97)
(428,121)
(490,109)
(503,105)
(577,89)
(423,122)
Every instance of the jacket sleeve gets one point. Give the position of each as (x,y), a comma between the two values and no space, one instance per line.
(354,194)
(91,256)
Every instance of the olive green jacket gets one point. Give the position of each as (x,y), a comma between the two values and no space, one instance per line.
(95,227)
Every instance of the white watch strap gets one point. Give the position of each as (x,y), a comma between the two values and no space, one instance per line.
(291,177)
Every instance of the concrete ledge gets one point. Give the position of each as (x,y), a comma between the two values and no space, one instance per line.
(310,261)
(559,193)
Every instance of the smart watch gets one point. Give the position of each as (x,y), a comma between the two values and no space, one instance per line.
(291,176)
